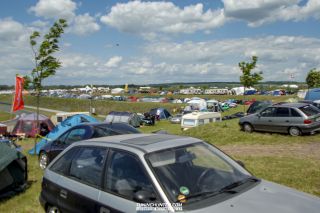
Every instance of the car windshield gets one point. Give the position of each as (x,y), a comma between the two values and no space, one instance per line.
(195,172)
(309,110)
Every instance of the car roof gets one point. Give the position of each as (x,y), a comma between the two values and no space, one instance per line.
(296,105)
(143,142)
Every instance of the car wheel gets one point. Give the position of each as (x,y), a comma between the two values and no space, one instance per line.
(294,131)
(247,127)
(53,209)
(43,160)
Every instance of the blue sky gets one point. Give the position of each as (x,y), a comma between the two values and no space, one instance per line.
(141,42)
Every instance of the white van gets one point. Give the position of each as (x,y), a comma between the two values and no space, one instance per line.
(199,118)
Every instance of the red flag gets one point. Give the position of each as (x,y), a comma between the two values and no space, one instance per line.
(18,103)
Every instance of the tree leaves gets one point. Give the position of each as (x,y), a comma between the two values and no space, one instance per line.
(45,64)
(313,78)
(247,78)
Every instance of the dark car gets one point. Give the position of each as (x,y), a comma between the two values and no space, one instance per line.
(292,118)
(78,133)
(314,103)
(160,173)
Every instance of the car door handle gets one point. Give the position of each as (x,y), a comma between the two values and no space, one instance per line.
(63,194)
(287,121)
(270,120)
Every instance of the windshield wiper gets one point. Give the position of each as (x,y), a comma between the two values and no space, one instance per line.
(237,183)
(226,189)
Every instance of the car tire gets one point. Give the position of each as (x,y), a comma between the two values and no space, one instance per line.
(247,127)
(294,131)
(53,209)
(43,160)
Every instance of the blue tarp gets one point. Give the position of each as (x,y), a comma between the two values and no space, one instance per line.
(250,92)
(313,94)
(61,128)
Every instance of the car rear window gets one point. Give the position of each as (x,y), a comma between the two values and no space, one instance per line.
(309,110)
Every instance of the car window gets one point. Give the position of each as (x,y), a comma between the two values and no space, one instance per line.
(282,112)
(87,165)
(189,122)
(309,110)
(62,165)
(62,138)
(101,131)
(269,112)
(75,135)
(294,113)
(126,176)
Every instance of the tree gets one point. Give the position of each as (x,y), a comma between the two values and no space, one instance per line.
(45,63)
(313,78)
(247,78)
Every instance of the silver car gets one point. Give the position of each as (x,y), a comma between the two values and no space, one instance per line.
(166,173)
(291,118)
(176,119)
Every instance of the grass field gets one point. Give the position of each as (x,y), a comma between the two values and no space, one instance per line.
(292,161)
(103,107)
(4,116)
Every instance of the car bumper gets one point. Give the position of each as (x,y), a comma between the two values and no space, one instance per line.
(310,128)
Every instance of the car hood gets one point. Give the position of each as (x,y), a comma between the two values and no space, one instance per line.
(268,197)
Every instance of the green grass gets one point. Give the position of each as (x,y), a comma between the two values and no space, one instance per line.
(4,116)
(104,107)
(228,132)
(302,174)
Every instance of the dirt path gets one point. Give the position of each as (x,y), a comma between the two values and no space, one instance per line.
(309,150)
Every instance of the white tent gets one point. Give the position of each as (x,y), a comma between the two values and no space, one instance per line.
(198,104)
(240,90)
(117,91)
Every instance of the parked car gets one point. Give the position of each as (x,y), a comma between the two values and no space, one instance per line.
(81,132)
(292,118)
(133,173)
(315,103)
(176,119)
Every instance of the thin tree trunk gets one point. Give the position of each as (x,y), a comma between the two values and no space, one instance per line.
(38,123)
(244,98)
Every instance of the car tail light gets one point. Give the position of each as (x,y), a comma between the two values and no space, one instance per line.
(308,121)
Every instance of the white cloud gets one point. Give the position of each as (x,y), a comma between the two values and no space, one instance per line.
(55,9)
(259,12)
(275,55)
(161,17)
(113,62)
(10,29)
(84,24)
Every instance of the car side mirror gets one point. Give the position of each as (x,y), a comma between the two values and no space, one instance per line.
(241,163)
(144,196)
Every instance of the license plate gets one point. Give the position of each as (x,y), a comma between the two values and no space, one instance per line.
(318,119)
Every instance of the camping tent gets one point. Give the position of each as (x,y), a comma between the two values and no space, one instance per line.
(27,124)
(13,170)
(313,94)
(161,113)
(198,104)
(63,127)
(241,90)
(214,106)
(125,117)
